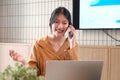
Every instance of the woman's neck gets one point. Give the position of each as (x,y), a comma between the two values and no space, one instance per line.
(56,42)
(57,38)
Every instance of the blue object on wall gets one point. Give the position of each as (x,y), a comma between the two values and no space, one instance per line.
(105,2)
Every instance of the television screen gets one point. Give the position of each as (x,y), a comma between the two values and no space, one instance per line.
(96,14)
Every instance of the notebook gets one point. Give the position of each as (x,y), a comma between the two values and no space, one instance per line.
(73,70)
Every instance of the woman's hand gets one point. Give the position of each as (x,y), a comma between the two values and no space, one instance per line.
(17,57)
(72,39)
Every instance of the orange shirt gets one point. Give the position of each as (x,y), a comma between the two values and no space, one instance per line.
(43,51)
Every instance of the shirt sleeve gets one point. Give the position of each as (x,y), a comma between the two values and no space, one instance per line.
(73,54)
(32,61)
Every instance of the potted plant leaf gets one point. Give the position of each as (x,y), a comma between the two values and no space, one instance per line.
(19,72)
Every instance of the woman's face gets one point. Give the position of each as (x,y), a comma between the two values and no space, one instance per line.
(60,25)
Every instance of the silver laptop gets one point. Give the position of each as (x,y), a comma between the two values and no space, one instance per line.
(73,70)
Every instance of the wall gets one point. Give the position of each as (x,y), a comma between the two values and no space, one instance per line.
(23,21)
(5,59)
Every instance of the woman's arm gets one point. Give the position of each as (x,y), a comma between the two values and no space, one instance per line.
(73,51)
(73,54)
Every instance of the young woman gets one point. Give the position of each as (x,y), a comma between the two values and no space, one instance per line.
(55,46)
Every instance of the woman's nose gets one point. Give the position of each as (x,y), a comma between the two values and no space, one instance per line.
(60,25)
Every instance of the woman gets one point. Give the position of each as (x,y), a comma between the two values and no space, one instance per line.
(55,46)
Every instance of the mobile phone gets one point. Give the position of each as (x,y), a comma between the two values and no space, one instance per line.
(70,33)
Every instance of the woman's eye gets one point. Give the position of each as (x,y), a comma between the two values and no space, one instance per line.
(56,22)
(64,23)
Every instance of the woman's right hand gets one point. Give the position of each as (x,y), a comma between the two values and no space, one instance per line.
(16,56)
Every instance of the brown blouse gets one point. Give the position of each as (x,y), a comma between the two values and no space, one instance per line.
(43,51)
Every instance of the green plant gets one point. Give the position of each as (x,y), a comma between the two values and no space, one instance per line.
(19,72)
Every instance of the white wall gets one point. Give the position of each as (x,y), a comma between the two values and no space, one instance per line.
(23,21)
(5,59)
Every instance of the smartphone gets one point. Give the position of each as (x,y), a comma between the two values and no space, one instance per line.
(70,32)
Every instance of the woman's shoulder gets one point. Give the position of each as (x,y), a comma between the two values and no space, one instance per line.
(42,39)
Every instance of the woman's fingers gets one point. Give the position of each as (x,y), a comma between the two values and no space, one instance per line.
(14,55)
(11,52)
(72,28)
(17,57)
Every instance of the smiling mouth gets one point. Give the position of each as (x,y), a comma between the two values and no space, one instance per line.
(60,31)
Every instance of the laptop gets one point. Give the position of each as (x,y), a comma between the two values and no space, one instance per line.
(73,70)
